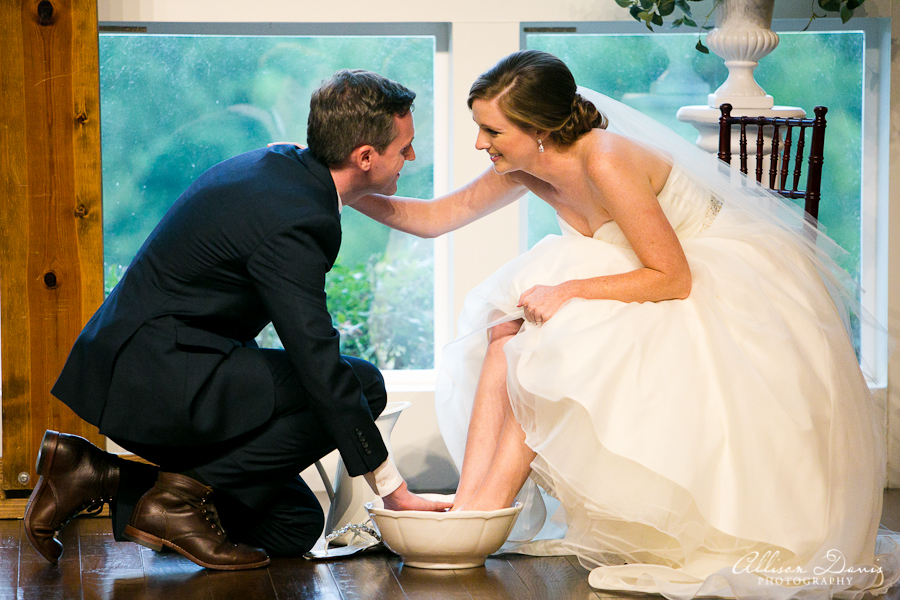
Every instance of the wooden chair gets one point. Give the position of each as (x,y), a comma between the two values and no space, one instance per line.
(782,131)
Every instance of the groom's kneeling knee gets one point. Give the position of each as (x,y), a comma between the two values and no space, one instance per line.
(292,539)
(288,527)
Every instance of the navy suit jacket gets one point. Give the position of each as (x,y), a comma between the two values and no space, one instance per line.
(169,357)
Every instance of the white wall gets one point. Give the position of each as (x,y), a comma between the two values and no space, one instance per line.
(889,8)
(313,11)
(481,33)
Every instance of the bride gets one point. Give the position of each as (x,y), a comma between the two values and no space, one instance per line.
(675,368)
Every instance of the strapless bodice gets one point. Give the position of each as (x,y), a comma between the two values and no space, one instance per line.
(688,207)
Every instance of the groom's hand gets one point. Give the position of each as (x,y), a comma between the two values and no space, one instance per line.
(403,499)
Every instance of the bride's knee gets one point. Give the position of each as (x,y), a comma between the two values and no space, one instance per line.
(504,331)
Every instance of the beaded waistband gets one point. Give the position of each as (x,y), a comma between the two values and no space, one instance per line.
(715,205)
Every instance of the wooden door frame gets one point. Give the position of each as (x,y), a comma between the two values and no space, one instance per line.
(51,232)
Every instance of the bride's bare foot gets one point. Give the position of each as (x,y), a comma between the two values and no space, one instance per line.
(458,503)
(478,503)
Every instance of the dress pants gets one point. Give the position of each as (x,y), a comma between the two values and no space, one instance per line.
(261,499)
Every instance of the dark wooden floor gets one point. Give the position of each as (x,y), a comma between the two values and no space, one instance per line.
(94,566)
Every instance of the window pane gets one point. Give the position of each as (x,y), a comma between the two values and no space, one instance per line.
(173,106)
(658,73)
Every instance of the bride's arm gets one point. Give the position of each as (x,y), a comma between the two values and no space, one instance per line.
(431,218)
(627,195)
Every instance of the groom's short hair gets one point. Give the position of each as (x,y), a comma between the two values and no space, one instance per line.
(354,108)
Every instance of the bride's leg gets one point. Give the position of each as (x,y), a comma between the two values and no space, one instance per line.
(489,411)
(509,469)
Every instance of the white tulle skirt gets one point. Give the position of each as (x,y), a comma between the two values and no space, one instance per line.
(725,444)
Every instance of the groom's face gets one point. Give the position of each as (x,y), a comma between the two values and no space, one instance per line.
(388,164)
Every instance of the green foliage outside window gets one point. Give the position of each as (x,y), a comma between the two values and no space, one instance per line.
(381,309)
(173,106)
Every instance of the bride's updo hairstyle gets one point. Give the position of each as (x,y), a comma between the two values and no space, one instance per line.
(535,90)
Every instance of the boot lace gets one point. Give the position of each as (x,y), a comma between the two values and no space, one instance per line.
(212,516)
(90,508)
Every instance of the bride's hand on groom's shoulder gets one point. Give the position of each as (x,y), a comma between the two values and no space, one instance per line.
(403,499)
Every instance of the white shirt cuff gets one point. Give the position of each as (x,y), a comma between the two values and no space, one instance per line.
(385,479)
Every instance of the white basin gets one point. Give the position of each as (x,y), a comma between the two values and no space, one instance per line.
(443,540)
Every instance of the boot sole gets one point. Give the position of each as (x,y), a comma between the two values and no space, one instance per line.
(44,461)
(156,544)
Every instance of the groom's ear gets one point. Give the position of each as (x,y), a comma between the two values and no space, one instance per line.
(362,157)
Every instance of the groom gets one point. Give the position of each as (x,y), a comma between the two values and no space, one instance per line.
(168,369)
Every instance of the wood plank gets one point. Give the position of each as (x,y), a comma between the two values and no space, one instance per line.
(41,579)
(168,575)
(583,572)
(9,573)
(51,259)
(426,584)
(13,508)
(175,586)
(158,564)
(299,579)
(255,583)
(49,275)
(14,308)
(552,577)
(95,566)
(87,208)
(93,526)
(366,577)
(496,581)
(109,569)
(9,534)
(54,268)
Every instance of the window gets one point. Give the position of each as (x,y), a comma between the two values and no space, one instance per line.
(659,72)
(179,98)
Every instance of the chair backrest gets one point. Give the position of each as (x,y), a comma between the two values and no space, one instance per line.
(791,132)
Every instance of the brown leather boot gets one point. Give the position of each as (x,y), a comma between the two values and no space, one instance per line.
(75,475)
(178,513)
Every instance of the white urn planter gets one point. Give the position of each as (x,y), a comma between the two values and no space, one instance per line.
(742,37)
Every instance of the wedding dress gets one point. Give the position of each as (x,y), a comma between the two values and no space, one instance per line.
(725,444)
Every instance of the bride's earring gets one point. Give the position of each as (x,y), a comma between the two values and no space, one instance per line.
(540,145)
